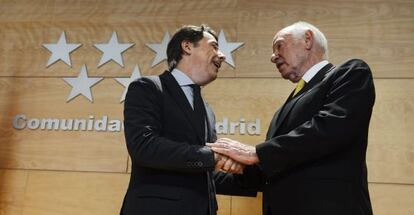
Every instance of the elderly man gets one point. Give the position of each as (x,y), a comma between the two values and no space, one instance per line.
(313,159)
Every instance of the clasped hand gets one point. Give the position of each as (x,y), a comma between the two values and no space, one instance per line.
(231,155)
(226,164)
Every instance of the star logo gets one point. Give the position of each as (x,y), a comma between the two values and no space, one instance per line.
(61,50)
(126,81)
(81,84)
(227,48)
(160,49)
(113,50)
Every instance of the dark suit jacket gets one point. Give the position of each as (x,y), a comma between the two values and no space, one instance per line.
(313,159)
(169,159)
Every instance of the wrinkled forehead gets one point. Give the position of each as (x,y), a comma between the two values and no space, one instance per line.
(282,35)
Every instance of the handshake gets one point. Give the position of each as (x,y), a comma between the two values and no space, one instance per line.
(231,156)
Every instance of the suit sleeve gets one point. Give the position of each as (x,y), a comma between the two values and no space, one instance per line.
(236,185)
(347,107)
(143,114)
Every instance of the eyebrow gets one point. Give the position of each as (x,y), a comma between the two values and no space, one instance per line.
(279,40)
(276,43)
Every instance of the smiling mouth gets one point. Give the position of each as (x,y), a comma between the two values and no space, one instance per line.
(217,64)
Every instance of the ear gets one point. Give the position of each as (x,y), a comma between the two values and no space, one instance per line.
(308,39)
(187,47)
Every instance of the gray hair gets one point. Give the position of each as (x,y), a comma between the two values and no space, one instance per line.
(298,30)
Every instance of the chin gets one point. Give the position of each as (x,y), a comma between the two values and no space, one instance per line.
(285,75)
(210,79)
(213,74)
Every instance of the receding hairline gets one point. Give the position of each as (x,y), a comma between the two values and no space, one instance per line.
(298,30)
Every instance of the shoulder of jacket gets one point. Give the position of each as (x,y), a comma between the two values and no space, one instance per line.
(354,63)
(352,68)
(153,79)
(156,80)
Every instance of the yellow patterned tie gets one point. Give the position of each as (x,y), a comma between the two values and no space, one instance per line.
(299,86)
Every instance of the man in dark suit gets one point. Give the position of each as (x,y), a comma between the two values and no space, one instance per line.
(313,159)
(166,127)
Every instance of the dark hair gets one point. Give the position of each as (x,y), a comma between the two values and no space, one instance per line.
(189,33)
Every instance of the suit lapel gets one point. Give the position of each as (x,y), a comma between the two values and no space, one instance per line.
(291,101)
(179,97)
(317,78)
(273,123)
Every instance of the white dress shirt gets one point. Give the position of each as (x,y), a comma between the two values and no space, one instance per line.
(185,83)
(313,70)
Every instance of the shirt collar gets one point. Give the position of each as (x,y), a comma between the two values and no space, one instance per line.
(313,70)
(181,77)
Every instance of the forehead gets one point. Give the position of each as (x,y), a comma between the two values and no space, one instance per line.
(282,36)
(208,37)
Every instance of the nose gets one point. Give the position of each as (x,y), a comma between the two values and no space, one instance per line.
(274,57)
(221,56)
